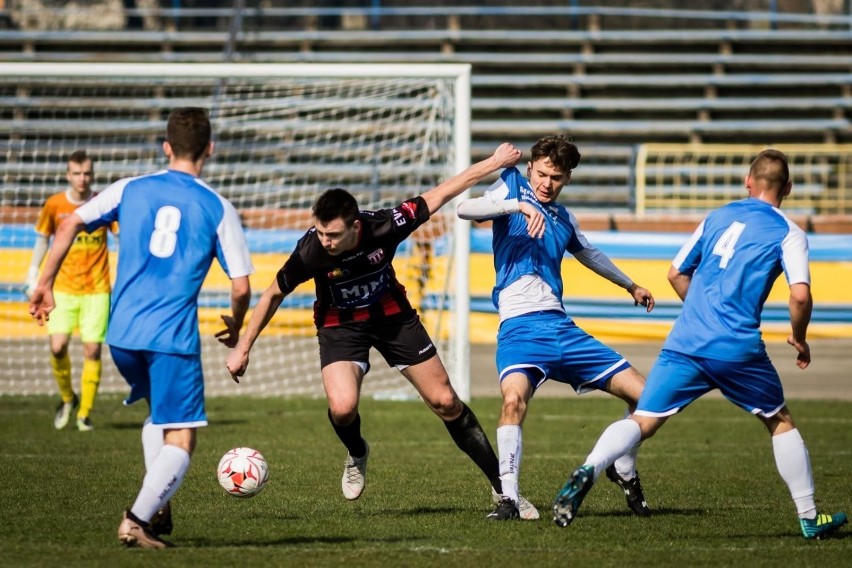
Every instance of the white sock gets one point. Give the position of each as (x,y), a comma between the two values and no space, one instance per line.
(509,442)
(162,480)
(794,465)
(152,442)
(625,465)
(617,440)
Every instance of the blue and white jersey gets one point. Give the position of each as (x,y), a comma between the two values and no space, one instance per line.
(734,257)
(173,225)
(529,270)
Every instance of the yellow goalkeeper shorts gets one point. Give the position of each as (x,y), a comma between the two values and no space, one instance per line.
(87,312)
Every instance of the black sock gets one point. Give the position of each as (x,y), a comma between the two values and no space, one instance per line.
(471,439)
(350,435)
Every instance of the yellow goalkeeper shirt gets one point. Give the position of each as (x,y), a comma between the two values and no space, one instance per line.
(86,268)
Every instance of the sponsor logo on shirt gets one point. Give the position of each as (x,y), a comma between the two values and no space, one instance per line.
(89,239)
(551,210)
(376,256)
(337,273)
(360,291)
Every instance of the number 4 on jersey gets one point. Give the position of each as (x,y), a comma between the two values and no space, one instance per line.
(724,247)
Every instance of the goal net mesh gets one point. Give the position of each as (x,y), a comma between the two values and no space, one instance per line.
(279,142)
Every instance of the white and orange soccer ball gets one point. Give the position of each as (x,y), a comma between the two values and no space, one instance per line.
(243,472)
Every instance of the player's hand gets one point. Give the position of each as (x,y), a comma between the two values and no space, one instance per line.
(641,296)
(804,357)
(506,155)
(41,304)
(535,220)
(231,334)
(237,363)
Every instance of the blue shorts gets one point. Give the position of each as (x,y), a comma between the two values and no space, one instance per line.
(173,384)
(548,345)
(677,379)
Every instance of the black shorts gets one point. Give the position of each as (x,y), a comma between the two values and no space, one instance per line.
(401,339)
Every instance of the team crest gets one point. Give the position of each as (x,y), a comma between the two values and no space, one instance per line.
(337,273)
(376,256)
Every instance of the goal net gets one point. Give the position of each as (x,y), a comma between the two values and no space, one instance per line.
(283,134)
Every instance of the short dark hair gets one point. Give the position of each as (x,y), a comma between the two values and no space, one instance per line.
(336,203)
(78,157)
(188,132)
(561,153)
(770,166)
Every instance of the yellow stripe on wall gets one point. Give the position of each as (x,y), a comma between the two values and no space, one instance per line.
(830,285)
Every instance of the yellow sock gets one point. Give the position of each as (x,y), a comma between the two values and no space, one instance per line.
(89,382)
(62,373)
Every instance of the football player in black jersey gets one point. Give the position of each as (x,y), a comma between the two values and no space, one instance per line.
(360,304)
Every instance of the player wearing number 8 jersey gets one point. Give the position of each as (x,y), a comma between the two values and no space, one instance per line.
(175,225)
(724,274)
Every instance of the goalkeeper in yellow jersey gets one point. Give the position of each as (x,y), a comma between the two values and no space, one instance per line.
(82,293)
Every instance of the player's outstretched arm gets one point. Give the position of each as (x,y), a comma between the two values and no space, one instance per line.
(801,307)
(490,206)
(41,302)
(238,360)
(595,260)
(240,297)
(504,156)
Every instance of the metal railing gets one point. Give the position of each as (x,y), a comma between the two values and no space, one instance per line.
(691,178)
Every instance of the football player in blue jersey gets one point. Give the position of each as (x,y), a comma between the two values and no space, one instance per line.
(723,274)
(361,304)
(175,226)
(537,339)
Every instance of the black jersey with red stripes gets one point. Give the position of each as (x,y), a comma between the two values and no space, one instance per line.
(359,284)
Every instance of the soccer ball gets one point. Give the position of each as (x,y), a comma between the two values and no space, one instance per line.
(243,472)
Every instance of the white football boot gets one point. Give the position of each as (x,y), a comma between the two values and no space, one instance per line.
(354,471)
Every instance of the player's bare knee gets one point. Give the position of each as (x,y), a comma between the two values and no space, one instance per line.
(183,438)
(342,415)
(627,385)
(59,352)
(648,426)
(779,423)
(448,407)
(92,351)
(514,409)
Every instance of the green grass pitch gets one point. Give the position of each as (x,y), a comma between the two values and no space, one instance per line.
(709,477)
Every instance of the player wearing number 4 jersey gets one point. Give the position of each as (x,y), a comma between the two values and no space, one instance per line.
(724,274)
(174,226)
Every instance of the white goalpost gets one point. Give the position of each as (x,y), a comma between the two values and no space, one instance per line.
(283,134)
